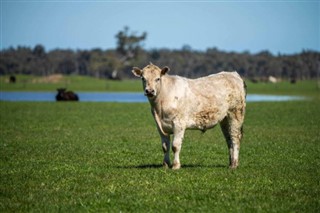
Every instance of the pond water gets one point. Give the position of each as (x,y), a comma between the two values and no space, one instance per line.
(121,97)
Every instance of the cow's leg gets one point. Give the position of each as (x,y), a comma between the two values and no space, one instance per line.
(232,130)
(166,150)
(165,140)
(176,146)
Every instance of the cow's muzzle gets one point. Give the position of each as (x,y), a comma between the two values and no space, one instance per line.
(150,93)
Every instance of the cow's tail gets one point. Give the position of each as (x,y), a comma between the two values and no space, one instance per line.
(244,87)
(243,109)
(244,84)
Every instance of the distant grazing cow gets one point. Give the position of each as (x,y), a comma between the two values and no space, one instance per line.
(272,79)
(179,103)
(293,81)
(64,95)
(12,79)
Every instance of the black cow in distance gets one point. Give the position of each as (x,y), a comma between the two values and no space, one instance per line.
(64,95)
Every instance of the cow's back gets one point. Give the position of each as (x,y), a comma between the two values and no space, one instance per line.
(221,87)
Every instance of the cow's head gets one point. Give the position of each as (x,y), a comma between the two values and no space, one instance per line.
(61,90)
(151,78)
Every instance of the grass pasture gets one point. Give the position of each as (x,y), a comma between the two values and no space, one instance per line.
(72,82)
(106,157)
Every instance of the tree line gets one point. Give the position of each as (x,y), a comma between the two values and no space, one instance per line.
(117,63)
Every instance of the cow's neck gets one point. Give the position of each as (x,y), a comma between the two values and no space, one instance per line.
(157,111)
(156,105)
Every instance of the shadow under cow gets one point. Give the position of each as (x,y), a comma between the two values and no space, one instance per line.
(157,166)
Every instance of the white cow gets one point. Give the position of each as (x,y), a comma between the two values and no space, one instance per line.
(178,103)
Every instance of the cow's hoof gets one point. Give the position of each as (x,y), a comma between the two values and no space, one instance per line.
(233,165)
(176,166)
(165,165)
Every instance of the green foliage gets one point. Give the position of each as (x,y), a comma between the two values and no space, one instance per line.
(129,45)
(106,157)
(115,64)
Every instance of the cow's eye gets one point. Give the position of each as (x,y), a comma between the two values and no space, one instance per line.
(143,79)
(157,79)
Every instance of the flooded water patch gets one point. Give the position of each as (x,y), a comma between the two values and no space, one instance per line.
(121,97)
(271,98)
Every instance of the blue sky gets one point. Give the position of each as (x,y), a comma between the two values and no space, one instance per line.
(278,26)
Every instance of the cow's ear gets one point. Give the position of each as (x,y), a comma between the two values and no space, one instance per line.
(137,71)
(165,70)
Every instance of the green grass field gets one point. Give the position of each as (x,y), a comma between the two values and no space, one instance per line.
(106,157)
(75,83)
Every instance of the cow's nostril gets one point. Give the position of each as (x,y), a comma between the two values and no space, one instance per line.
(149,91)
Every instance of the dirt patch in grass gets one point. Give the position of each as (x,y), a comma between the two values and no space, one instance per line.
(54,78)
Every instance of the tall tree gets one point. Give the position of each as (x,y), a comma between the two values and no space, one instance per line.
(129,44)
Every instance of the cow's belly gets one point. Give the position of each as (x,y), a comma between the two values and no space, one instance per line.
(207,118)
(201,114)
(202,120)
